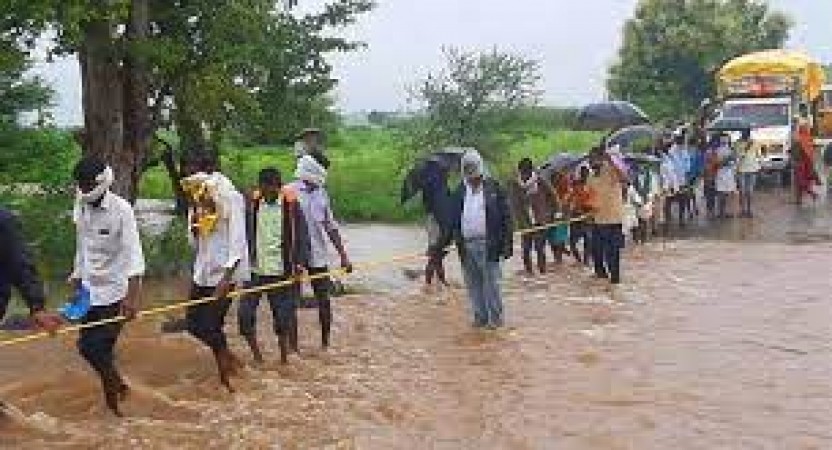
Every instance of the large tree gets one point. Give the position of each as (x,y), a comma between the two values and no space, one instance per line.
(672,49)
(192,65)
(473,98)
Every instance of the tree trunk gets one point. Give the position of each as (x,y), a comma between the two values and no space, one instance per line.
(103,134)
(137,121)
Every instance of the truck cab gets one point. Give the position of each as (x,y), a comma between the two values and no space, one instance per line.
(772,124)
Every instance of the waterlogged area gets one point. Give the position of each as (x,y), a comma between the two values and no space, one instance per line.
(716,341)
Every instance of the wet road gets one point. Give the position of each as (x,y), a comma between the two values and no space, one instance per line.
(716,343)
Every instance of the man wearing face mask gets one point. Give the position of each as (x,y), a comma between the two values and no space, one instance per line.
(608,213)
(109,264)
(480,224)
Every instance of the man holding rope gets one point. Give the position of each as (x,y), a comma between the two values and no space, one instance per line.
(218,233)
(109,264)
(279,250)
(321,226)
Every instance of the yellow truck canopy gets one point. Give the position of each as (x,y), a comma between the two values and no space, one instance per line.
(777,63)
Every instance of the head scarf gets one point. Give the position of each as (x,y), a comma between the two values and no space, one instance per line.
(311,171)
(472,165)
(104,181)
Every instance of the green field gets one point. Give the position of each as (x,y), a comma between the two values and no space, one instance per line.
(367,168)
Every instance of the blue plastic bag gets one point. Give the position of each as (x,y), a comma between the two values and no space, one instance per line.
(77,307)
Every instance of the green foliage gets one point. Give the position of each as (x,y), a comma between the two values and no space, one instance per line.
(42,156)
(17,93)
(673,48)
(168,254)
(47,224)
(475,97)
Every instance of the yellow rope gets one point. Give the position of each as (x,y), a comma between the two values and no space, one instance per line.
(235,295)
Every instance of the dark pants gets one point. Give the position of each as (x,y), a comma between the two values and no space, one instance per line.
(534,241)
(682,202)
(640,232)
(283,304)
(435,267)
(322,288)
(710,197)
(581,231)
(97,344)
(607,242)
(206,320)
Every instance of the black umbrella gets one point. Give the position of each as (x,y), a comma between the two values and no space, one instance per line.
(630,137)
(611,116)
(729,124)
(559,163)
(430,168)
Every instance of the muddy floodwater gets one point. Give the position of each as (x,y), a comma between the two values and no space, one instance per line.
(717,340)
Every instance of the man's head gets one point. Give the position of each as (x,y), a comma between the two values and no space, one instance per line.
(473,167)
(725,139)
(270,183)
(202,161)
(596,158)
(93,178)
(746,134)
(526,168)
(583,174)
(311,137)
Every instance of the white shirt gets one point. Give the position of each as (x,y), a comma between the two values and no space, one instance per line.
(670,181)
(223,248)
(473,213)
(108,251)
(749,157)
(314,203)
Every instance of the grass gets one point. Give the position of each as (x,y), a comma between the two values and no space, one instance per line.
(367,168)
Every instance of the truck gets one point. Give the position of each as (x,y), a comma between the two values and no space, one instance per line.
(770,90)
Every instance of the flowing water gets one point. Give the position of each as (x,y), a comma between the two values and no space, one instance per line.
(714,343)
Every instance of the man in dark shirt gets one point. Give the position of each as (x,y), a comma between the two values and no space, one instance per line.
(18,270)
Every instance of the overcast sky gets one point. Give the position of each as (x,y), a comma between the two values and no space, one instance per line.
(575,43)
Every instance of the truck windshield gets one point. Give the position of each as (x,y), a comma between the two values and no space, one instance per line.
(759,115)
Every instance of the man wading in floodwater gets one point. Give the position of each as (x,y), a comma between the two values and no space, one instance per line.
(608,213)
(108,263)
(279,250)
(218,232)
(480,224)
(321,226)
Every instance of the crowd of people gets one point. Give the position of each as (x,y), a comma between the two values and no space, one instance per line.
(272,234)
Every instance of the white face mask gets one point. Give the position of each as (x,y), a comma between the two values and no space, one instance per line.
(104,181)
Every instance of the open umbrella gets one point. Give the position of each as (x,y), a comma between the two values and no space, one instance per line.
(633,136)
(611,116)
(559,163)
(427,169)
(729,124)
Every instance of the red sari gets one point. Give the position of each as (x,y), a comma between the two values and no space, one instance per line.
(805,176)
